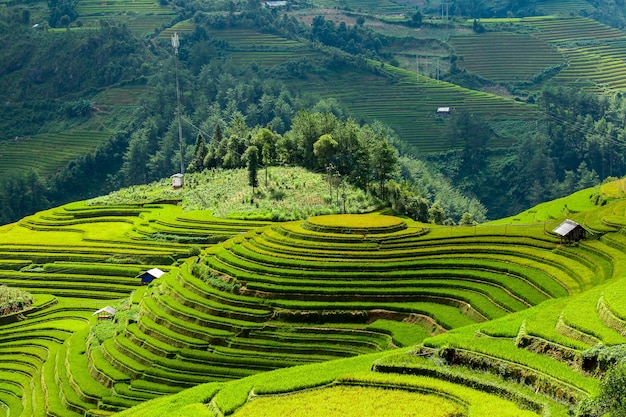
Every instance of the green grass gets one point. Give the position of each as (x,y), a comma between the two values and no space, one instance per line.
(227,194)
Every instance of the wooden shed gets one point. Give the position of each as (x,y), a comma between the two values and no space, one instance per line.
(150,275)
(569,231)
(105,313)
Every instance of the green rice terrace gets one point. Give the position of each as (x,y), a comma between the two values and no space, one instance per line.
(580,51)
(329,309)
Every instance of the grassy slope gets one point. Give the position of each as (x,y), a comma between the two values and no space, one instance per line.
(290,193)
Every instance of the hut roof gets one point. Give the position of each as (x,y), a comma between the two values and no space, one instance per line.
(155,272)
(566,227)
(108,309)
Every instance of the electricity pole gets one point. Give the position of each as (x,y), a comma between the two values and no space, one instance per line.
(175,44)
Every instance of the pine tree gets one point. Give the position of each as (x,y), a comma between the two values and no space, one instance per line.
(200,152)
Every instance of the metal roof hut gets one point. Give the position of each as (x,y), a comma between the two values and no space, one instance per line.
(178,181)
(150,275)
(569,231)
(105,313)
(443,111)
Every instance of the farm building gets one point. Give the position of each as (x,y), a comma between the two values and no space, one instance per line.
(570,231)
(150,275)
(443,111)
(177,181)
(272,4)
(105,313)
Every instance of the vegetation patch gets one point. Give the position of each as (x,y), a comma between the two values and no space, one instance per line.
(359,224)
(13,300)
(351,401)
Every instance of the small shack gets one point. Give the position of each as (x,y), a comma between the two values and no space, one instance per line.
(443,111)
(569,231)
(274,4)
(105,313)
(150,275)
(177,181)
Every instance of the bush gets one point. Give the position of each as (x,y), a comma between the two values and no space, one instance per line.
(612,397)
(194,251)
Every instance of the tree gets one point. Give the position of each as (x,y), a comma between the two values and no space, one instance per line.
(478,27)
(253,167)
(199,154)
(611,402)
(466,219)
(61,8)
(65,22)
(385,161)
(436,214)
(416,19)
(136,159)
(324,148)
(266,141)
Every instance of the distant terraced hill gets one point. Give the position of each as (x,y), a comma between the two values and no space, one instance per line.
(575,51)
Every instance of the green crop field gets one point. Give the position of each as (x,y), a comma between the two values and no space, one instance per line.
(276,308)
(594,51)
(47,153)
(410,105)
(141,16)
(496,55)
(564,7)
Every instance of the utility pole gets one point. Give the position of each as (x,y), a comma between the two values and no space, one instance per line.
(175,44)
(417,67)
(329,170)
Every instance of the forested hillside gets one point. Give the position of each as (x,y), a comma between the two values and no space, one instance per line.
(91,101)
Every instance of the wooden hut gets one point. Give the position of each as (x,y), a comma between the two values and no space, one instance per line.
(569,231)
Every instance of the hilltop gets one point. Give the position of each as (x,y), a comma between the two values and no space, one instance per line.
(290,193)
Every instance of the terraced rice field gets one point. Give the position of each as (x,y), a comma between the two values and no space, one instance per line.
(342,270)
(564,7)
(142,16)
(496,55)
(385,7)
(273,308)
(532,356)
(595,52)
(116,98)
(47,153)
(410,106)
(591,53)
(90,256)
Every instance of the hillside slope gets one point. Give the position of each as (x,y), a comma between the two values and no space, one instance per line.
(506,298)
